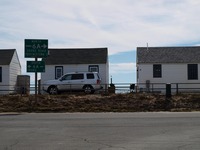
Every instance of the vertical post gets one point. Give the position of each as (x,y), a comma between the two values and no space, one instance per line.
(168,90)
(168,97)
(176,88)
(36,82)
(39,87)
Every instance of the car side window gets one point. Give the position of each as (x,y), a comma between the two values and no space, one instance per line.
(90,76)
(77,76)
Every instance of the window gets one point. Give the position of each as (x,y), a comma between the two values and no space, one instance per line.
(58,71)
(77,76)
(90,76)
(67,77)
(93,68)
(157,71)
(192,72)
(0,74)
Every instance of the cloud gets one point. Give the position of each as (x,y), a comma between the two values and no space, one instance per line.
(120,25)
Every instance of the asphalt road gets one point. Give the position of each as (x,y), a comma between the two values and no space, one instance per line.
(100,131)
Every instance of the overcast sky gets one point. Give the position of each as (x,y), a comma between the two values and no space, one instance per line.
(120,25)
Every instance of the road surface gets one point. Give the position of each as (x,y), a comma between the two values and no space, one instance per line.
(100,131)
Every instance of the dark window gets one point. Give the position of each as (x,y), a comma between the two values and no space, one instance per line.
(58,71)
(77,76)
(157,71)
(90,76)
(93,68)
(67,77)
(0,74)
(192,72)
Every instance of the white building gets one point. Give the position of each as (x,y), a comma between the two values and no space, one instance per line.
(10,68)
(179,66)
(62,61)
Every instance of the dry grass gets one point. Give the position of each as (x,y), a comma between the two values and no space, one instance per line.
(99,103)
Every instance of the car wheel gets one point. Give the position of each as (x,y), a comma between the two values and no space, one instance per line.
(53,90)
(88,89)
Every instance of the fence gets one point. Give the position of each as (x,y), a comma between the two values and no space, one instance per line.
(115,88)
(14,89)
(176,88)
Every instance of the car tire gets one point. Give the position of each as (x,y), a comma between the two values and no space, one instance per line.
(53,90)
(88,89)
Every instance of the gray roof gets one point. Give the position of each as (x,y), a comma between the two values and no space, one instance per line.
(77,56)
(168,54)
(6,56)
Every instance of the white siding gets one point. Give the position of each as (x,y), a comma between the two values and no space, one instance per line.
(171,73)
(14,71)
(4,85)
(9,75)
(50,71)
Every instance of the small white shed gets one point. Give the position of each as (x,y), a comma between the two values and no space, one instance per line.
(61,61)
(179,66)
(10,68)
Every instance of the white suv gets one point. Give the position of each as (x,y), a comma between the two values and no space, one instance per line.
(89,82)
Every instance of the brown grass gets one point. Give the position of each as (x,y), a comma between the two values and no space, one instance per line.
(99,103)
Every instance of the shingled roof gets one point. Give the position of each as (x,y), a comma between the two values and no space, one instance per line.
(77,56)
(168,54)
(6,56)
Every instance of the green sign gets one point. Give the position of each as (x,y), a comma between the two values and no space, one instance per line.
(35,66)
(36,48)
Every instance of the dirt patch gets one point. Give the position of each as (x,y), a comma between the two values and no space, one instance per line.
(99,103)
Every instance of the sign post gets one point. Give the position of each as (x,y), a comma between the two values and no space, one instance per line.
(36,48)
(36,83)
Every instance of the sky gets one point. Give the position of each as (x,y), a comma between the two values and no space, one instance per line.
(119,25)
